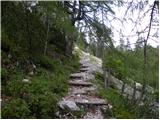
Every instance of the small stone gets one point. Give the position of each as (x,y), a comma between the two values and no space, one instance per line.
(78,95)
(71,105)
(110,106)
(57,113)
(141,103)
(31,73)
(34,66)
(26,81)
(86,101)
(104,108)
(17,63)
(9,56)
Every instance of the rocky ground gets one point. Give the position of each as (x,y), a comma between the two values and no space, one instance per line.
(82,92)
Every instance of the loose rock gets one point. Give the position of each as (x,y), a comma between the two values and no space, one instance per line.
(68,105)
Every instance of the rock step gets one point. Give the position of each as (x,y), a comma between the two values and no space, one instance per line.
(80,83)
(83,90)
(87,100)
(98,103)
(84,66)
(84,70)
(76,75)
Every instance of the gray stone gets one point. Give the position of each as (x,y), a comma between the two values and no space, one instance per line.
(57,113)
(9,56)
(34,66)
(26,81)
(31,73)
(154,106)
(138,86)
(71,105)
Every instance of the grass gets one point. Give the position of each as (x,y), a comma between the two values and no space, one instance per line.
(121,107)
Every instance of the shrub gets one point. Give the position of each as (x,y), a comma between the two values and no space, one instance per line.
(43,105)
(122,114)
(116,66)
(46,88)
(7,44)
(16,108)
(14,86)
(4,75)
(46,62)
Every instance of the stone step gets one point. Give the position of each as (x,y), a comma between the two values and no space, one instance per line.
(80,83)
(78,75)
(84,66)
(87,100)
(83,90)
(84,70)
(91,102)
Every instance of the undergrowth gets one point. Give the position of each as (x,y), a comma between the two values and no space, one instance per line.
(37,98)
(122,108)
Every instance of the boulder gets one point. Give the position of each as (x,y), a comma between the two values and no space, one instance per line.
(71,105)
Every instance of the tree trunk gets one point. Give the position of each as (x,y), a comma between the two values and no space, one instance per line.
(107,78)
(145,52)
(69,45)
(123,87)
(28,32)
(46,43)
(144,75)
(134,93)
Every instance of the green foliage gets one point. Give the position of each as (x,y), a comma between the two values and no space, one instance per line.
(79,113)
(26,39)
(46,62)
(16,108)
(115,65)
(15,86)
(130,64)
(72,64)
(4,73)
(42,105)
(47,86)
(122,108)
(7,45)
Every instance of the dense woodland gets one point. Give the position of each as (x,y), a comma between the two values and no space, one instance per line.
(37,41)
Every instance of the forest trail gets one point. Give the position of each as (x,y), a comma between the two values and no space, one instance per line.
(82,94)
(82,91)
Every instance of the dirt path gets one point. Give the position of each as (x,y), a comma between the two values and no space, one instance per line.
(82,91)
